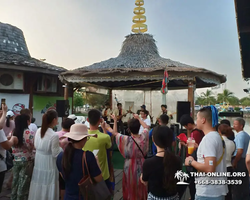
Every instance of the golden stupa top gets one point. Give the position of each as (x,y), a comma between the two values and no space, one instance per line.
(139,19)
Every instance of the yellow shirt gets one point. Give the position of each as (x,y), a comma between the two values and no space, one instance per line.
(102,142)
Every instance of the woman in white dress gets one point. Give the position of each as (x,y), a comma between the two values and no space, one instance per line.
(44,184)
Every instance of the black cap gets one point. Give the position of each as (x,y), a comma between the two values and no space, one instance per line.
(144,107)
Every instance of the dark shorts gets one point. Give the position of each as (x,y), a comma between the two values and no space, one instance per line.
(2,174)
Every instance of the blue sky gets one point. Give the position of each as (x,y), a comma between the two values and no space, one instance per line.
(77,33)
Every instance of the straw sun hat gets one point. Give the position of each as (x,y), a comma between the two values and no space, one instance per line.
(78,132)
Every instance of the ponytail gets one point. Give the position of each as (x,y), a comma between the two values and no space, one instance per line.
(171,165)
(45,125)
(47,120)
(163,138)
(67,158)
(8,121)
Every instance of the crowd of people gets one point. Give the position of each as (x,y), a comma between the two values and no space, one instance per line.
(50,165)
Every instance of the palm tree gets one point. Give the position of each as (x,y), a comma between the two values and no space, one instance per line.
(200,101)
(225,96)
(208,97)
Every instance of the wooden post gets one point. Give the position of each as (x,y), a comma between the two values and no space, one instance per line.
(66,92)
(73,91)
(191,90)
(31,97)
(110,98)
(151,102)
(144,97)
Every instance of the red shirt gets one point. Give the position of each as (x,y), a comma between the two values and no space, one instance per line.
(197,135)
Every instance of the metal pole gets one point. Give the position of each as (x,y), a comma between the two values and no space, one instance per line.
(164,97)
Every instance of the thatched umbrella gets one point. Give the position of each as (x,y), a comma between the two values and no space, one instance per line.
(139,66)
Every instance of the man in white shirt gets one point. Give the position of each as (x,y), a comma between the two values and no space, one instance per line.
(211,157)
(144,114)
(143,107)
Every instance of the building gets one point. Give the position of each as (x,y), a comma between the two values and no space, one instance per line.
(26,81)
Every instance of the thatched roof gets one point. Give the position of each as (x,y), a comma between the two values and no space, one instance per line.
(242,8)
(32,63)
(14,53)
(139,60)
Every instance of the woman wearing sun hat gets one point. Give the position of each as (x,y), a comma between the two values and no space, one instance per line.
(69,162)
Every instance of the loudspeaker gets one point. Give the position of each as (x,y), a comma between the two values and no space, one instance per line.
(62,108)
(183,107)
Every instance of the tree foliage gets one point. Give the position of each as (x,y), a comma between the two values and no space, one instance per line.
(245,101)
(200,101)
(208,97)
(97,100)
(234,101)
(226,96)
(78,99)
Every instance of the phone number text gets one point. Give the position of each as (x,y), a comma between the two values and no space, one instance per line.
(218,182)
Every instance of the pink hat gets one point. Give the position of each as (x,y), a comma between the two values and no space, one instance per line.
(78,132)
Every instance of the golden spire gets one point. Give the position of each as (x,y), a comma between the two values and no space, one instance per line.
(139,19)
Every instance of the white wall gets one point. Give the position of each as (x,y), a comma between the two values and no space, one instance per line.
(16,102)
(152,103)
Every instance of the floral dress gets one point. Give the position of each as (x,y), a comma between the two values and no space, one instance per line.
(22,169)
(132,187)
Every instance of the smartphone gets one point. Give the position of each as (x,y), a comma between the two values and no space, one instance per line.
(3,101)
(95,152)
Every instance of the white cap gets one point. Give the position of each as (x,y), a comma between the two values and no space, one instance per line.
(79,119)
(72,117)
(10,113)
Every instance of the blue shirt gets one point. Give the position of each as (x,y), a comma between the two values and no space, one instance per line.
(76,174)
(154,149)
(241,141)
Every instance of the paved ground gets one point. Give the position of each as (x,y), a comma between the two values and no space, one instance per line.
(5,195)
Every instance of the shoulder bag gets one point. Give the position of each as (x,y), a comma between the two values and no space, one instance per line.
(144,156)
(91,190)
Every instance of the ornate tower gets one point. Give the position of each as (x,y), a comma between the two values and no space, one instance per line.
(139,19)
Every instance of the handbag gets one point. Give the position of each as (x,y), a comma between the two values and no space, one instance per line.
(145,157)
(89,189)
(9,160)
